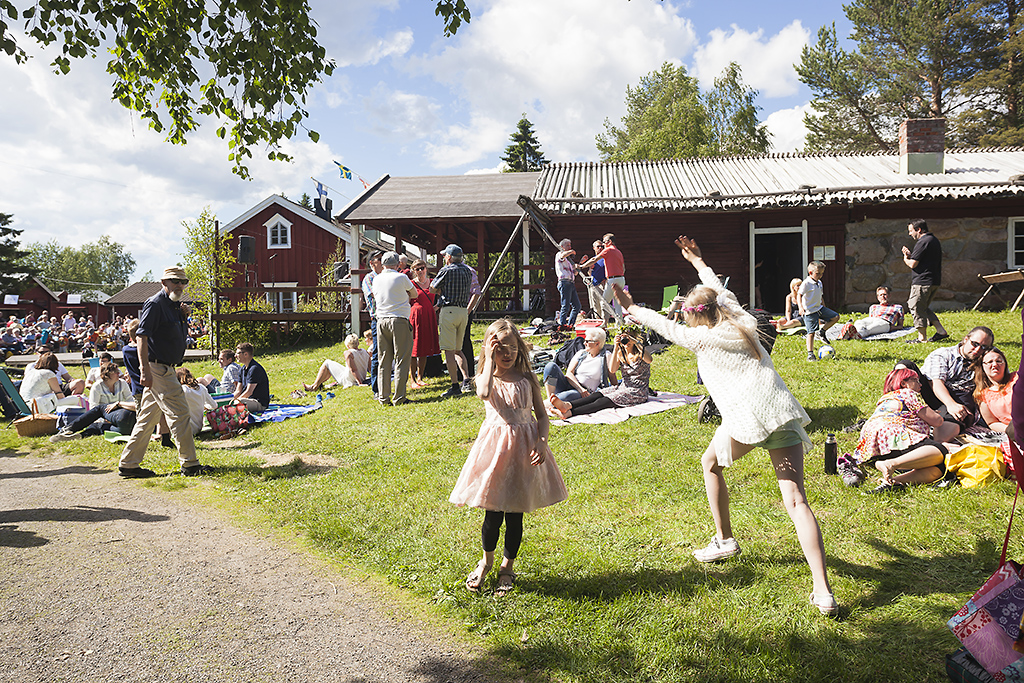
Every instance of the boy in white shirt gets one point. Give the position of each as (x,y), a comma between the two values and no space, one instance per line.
(812,306)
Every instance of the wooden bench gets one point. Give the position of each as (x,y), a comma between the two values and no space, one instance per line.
(997,279)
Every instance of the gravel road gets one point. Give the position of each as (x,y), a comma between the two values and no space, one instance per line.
(107,580)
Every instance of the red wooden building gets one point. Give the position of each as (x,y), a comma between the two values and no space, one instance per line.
(290,246)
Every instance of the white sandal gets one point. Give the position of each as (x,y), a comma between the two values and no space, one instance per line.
(475,580)
(826,604)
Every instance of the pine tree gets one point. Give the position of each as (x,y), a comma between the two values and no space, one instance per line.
(523,154)
(13,269)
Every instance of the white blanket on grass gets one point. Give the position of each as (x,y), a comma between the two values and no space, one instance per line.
(663,401)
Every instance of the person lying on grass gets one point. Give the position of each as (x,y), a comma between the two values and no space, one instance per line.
(757,410)
(634,361)
(896,438)
(510,469)
(350,374)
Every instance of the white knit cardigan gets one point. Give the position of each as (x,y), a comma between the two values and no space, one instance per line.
(751,396)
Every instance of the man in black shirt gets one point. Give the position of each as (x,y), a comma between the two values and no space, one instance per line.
(161,339)
(254,388)
(926,263)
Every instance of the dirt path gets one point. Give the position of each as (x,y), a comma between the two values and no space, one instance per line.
(106,580)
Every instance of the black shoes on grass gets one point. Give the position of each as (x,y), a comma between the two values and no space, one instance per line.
(135,472)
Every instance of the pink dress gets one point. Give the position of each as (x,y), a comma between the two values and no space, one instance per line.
(498,474)
(894,426)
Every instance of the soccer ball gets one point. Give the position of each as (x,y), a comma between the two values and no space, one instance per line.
(826,352)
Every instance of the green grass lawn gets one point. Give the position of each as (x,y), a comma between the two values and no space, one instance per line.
(608,589)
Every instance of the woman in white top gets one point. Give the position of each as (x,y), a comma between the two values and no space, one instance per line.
(588,371)
(757,410)
(41,379)
(113,408)
(351,374)
(199,400)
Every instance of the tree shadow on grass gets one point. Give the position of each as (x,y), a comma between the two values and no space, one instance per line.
(610,586)
(833,418)
(36,474)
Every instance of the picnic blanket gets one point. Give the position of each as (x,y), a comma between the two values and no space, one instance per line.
(276,412)
(832,334)
(663,401)
(279,412)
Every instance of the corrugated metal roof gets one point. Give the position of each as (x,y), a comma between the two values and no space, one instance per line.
(491,195)
(772,181)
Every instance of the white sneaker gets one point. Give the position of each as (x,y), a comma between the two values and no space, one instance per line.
(718,550)
(65,435)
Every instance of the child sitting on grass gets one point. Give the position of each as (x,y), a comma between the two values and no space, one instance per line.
(510,469)
(757,410)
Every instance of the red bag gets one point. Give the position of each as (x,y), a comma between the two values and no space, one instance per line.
(228,418)
(989,625)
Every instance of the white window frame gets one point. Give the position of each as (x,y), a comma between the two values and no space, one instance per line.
(281,228)
(283,302)
(1014,257)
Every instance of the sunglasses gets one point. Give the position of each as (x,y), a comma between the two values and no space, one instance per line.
(420,268)
(979,345)
(178,281)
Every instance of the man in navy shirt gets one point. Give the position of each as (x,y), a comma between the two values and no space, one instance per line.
(161,339)
(254,388)
(926,263)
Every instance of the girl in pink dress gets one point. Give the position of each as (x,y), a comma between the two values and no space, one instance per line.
(510,469)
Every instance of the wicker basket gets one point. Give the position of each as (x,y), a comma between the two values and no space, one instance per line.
(36,424)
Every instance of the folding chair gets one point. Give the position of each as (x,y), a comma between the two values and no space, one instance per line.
(8,387)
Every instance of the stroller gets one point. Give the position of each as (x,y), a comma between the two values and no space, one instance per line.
(766,332)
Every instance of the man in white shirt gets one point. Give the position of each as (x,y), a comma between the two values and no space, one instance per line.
(393,294)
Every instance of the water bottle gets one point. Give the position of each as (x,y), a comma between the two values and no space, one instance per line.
(831,452)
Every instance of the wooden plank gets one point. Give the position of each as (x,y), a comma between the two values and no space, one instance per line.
(191,355)
(1009,276)
(283,317)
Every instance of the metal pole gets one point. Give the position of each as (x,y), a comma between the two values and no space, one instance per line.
(483,290)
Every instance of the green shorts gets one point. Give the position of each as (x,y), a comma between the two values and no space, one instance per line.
(780,438)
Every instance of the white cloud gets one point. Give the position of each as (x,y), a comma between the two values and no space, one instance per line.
(787,128)
(75,166)
(406,115)
(767,64)
(566,65)
(461,144)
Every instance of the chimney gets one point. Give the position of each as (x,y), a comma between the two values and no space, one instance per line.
(922,146)
(323,209)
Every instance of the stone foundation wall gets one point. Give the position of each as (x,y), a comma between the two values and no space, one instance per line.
(970,247)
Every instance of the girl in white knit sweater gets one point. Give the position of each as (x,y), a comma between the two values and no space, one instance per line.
(757,410)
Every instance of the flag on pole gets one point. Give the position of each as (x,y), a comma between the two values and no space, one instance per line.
(322,192)
(346,172)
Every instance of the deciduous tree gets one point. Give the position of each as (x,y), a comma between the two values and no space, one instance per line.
(103,265)
(208,260)
(249,65)
(667,117)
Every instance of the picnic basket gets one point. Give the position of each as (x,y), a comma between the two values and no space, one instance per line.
(36,424)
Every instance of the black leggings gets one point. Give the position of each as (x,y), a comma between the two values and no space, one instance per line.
(513,531)
(591,404)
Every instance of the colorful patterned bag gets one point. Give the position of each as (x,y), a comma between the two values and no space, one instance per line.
(228,418)
(989,625)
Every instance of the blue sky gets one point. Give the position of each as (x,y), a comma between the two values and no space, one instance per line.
(403,101)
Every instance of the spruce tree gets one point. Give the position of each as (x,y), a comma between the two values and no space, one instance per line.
(523,154)
(13,269)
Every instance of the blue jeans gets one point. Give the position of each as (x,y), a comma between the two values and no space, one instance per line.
(570,302)
(121,419)
(553,376)
(374,359)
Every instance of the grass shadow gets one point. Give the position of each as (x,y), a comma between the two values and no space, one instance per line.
(833,418)
(36,474)
(610,586)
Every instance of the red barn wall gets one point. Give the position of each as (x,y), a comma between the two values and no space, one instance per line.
(311,247)
(653,262)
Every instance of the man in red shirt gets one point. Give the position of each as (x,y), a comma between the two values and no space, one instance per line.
(614,268)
